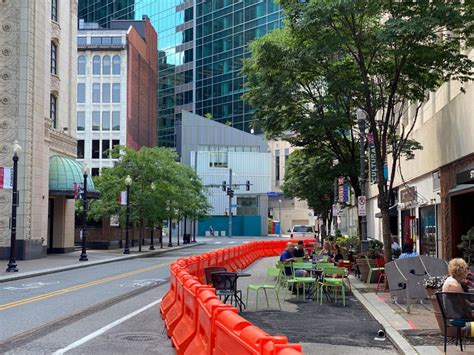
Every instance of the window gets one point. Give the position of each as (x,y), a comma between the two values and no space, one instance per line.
(81,41)
(106,65)
(81,93)
(188,14)
(81,120)
(116,40)
(277,165)
(116,121)
(247,206)
(54,54)
(81,65)
(105,149)
(96,65)
(54,10)
(188,76)
(95,120)
(115,92)
(188,35)
(115,142)
(105,120)
(80,149)
(96,93)
(95,171)
(53,102)
(217,159)
(287,155)
(96,41)
(116,65)
(106,93)
(107,40)
(95,149)
(188,55)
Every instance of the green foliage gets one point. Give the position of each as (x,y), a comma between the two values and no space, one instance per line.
(375,248)
(333,57)
(467,246)
(161,187)
(310,177)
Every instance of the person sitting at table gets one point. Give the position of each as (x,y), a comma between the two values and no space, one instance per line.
(337,254)
(299,250)
(326,249)
(457,270)
(287,257)
(407,251)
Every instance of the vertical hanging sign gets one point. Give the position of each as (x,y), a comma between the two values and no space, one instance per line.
(123,198)
(372,159)
(340,185)
(6,178)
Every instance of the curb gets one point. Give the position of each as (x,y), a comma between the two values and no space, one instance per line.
(54,270)
(393,335)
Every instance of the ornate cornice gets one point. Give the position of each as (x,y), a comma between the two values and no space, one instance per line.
(62,143)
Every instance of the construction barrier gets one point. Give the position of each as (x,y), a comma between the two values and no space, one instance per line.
(199,323)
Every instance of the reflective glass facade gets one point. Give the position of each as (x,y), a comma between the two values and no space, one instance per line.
(201,45)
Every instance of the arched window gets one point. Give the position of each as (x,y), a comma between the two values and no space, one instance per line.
(96,65)
(81,65)
(106,65)
(116,65)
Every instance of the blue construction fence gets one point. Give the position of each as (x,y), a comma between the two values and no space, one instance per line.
(248,226)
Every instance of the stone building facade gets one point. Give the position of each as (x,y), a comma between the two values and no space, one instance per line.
(37,108)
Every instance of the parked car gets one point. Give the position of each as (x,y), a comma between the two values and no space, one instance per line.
(302,231)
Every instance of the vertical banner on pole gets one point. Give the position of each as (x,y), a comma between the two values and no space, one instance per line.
(123,198)
(372,159)
(6,178)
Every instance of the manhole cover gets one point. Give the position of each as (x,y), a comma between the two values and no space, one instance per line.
(138,337)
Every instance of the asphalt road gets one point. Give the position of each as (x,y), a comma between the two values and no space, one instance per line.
(44,314)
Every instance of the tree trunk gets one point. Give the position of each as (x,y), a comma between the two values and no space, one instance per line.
(387,236)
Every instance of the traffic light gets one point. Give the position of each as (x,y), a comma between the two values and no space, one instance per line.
(230,192)
(247,185)
(224,186)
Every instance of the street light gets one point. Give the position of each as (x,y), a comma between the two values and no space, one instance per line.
(12,267)
(85,174)
(361,116)
(170,242)
(128,183)
(279,216)
(152,246)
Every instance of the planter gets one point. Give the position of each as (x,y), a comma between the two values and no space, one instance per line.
(437,312)
(363,269)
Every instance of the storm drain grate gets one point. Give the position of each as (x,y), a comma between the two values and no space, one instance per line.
(138,337)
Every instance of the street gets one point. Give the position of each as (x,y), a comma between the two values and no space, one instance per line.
(91,309)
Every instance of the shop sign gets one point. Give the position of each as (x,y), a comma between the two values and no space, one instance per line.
(465,177)
(408,195)
(372,159)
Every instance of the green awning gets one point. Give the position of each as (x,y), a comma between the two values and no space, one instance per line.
(63,173)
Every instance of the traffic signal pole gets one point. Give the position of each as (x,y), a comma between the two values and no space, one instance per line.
(230,203)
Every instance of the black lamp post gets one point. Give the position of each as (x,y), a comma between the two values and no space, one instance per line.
(194,231)
(361,116)
(12,267)
(177,229)
(128,183)
(152,246)
(85,172)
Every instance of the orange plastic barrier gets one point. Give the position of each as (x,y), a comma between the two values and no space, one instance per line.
(197,320)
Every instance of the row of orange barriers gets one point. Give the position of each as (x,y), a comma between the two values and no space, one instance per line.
(198,322)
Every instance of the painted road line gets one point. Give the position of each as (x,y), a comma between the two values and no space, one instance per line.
(105,329)
(217,242)
(63,291)
(232,242)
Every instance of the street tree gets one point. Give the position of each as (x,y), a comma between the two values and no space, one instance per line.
(386,56)
(159,182)
(310,177)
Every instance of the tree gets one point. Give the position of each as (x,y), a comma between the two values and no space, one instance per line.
(160,185)
(385,56)
(310,177)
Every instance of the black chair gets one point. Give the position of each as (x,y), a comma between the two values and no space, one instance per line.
(209,270)
(225,284)
(456,310)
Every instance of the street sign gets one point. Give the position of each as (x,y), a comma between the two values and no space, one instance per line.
(362,206)
(273,193)
(235,206)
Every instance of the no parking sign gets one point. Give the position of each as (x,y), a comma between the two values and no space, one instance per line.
(361,206)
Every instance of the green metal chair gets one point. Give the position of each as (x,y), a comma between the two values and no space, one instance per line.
(302,280)
(373,267)
(333,277)
(271,272)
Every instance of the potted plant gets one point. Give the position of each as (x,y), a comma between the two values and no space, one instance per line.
(467,246)
(432,285)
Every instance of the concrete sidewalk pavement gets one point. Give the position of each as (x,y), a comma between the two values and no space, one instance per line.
(69,261)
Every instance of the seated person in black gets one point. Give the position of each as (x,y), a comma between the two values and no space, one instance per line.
(337,254)
(299,251)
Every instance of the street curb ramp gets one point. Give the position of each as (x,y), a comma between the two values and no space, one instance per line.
(199,323)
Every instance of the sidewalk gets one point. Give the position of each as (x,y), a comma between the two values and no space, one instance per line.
(416,332)
(69,261)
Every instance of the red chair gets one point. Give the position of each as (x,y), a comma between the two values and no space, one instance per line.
(385,283)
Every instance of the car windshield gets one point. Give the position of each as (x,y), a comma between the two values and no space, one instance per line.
(302,229)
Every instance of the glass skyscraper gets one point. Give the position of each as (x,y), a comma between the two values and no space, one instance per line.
(201,45)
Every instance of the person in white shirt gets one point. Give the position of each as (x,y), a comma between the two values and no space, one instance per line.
(395,245)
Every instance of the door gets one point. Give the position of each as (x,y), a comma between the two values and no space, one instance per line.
(50,223)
